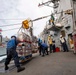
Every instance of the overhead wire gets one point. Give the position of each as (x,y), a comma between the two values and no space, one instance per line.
(21,26)
(10,29)
(12,19)
(37,18)
(10,25)
(32,20)
(21,19)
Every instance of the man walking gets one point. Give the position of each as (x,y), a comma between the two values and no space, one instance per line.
(11,53)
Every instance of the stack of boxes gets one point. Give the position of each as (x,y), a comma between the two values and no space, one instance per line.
(25,45)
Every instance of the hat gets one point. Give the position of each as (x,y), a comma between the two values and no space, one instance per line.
(13,36)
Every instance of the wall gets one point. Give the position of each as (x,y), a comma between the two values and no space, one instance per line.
(67,21)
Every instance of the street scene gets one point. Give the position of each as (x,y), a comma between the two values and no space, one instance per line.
(38,37)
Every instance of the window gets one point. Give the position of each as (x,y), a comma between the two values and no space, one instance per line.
(63,33)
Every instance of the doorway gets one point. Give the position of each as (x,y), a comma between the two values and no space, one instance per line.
(63,33)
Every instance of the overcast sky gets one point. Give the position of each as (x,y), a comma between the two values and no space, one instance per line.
(15,11)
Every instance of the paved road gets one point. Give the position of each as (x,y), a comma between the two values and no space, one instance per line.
(60,63)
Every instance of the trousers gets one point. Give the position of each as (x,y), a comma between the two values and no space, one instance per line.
(11,53)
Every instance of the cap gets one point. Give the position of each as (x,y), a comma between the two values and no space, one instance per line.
(13,36)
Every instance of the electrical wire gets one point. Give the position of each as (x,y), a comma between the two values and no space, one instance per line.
(10,25)
(10,29)
(37,18)
(21,26)
(12,19)
(32,20)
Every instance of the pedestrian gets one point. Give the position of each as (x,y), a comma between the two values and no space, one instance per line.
(11,53)
(63,43)
(44,47)
(39,45)
(50,43)
(54,47)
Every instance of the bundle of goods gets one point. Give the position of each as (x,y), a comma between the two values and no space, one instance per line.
(23,37)
(34,47)
(24,48)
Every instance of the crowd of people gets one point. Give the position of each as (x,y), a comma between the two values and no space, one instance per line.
(43,47)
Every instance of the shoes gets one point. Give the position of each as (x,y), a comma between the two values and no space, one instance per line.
(20,69)
(6,67)
(39,54)
(42,55)
(50,52)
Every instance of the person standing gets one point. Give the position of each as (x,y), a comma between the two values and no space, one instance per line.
(39,45)
(54,47)
(11,53)
(50,43)
(63,43)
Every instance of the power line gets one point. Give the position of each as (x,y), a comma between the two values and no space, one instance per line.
(39,17)
(10,25)
(12,19)
(21,26)
(10,29)
(32,20)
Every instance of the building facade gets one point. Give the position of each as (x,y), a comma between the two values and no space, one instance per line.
(63,17)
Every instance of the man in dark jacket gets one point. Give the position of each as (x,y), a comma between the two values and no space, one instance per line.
(11,53)
(44,47)
(39,44)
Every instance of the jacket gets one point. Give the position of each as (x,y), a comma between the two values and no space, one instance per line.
(12,43)
(44,45)
(50,40)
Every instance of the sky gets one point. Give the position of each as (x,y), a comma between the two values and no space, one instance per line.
(16,11)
